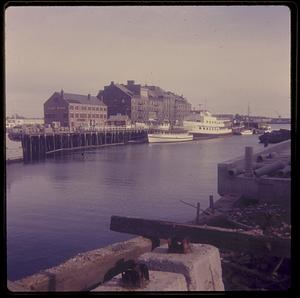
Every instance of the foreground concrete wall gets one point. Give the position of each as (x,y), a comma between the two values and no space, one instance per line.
(85,270)
(267,189)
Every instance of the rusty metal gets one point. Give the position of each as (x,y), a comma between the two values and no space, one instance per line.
(177,245)
(136,276)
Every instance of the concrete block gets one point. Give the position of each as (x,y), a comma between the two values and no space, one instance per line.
(159,282)
(87,269)
(201,267)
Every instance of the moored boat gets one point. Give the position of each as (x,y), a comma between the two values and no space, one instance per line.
(204,125)
(246,132)
(169,137)
(276,136)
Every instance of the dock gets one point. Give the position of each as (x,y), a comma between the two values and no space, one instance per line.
(39,146)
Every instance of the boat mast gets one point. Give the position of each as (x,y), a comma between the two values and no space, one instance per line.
(248,111)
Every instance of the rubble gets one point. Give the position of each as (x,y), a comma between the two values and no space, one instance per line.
(243,271)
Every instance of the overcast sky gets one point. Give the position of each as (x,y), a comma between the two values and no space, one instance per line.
(222,57)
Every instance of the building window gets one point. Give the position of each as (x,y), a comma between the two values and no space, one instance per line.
(76,107)
(71,108)
(71,115)
(97,109)
(76,115)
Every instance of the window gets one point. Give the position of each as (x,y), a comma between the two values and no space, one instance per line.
(93,108)
(89,108)
(71,108)
(76,107)
(76,115)
(71,115)
(97,109)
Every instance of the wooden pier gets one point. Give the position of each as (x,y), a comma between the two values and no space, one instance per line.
(39,146)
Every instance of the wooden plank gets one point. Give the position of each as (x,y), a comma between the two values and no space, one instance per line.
(222,238)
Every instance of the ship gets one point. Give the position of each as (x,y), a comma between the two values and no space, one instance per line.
(202,124)
(275,136)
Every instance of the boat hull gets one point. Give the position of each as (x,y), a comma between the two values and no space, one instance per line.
(167,138)
(200,135)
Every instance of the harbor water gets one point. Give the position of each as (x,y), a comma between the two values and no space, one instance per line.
(61,207)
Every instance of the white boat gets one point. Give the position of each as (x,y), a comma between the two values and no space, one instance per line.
(203,125)
(263,129)
(246,132)
(169,137)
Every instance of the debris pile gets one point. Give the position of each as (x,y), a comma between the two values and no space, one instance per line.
(243,271)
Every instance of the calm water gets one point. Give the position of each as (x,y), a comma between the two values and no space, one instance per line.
(58,208)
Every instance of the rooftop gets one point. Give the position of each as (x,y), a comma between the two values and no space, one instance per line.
(82,99)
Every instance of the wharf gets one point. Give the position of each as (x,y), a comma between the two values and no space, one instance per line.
(38,146)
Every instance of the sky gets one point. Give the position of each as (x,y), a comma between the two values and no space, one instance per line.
(220,57)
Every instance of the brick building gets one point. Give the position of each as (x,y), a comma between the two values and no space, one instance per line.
(144,103)
(75,111)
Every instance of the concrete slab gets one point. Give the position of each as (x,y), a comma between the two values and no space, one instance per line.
(86,270)
(201,268)
(159,282)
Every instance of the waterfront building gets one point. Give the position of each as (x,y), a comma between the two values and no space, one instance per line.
(75,111)
(17,120)
(144,103)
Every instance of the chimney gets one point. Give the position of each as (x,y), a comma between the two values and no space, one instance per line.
(112,82)
(62,93)
(130,82)
(89,96)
